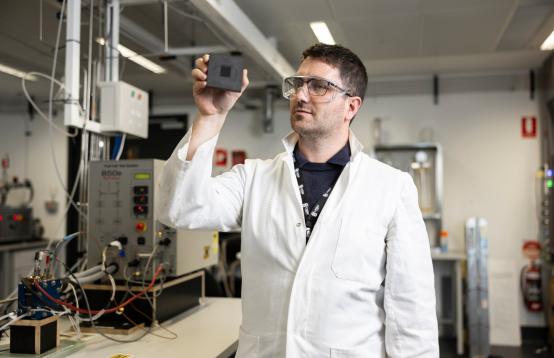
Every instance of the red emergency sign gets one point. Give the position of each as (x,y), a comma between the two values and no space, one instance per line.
(528,126)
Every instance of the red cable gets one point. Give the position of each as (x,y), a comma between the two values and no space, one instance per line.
(110,310)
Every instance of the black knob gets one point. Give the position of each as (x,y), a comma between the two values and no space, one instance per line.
(123,240)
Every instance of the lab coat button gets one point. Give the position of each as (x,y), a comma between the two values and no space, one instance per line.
(298,224)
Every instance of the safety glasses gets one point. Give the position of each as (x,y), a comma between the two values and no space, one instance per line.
(317,87)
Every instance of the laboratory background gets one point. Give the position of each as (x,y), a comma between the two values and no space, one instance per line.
(96,94)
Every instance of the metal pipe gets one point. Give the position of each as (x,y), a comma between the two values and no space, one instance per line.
(165,27)
(83,184)
(40,25)
(112,41)
(72,64)
(90,81)
(196,50)
(270,92)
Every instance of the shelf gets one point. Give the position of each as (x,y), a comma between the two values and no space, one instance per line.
(396,147)
(448,256)
(432,216)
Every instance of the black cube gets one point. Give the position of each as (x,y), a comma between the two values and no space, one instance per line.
(34,336)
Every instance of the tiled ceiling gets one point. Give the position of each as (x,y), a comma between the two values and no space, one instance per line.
(407,29)
(393,37)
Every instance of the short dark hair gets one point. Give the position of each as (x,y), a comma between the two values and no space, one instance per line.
(352,71)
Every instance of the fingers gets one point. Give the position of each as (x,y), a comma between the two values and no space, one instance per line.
(245,80)
(199,73)
(199,86)
(201,63)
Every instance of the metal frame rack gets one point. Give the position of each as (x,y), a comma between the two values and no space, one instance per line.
(401,156)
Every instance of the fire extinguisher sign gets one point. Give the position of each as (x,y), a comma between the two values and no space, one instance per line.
(528,127)
(531,282)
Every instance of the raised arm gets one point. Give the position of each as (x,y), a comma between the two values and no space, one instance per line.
(189,197)
(213,105)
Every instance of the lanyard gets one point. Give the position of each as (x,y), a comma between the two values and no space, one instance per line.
(310,216)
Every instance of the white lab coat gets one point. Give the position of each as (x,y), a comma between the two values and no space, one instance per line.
(363,285)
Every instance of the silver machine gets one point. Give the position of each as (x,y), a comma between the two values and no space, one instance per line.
(16,222)
(477,287)
(122,224)
(424,163)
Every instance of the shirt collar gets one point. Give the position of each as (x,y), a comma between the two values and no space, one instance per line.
(354,144)
(341,158)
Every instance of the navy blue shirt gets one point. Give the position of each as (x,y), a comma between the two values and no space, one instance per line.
(318,177)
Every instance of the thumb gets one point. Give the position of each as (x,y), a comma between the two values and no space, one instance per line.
(245,80)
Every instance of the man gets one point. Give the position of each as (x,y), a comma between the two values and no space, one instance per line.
(335,256)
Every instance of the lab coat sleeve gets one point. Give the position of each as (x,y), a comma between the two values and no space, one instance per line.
(411,322)
(189,198)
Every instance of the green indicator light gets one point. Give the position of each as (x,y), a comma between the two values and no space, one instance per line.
(549,183)
(142,176)
(133,93)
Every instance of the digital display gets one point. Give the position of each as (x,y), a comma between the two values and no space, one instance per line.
(142,176)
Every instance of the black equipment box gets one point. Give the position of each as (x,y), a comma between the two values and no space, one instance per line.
(169,299)
(225,72)
(16,224)
(34,336)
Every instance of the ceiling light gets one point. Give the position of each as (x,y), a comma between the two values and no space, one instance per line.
(322,32)
(17,73)
(136,58)
(548,44)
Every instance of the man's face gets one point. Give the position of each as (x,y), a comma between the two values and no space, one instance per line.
(314,116)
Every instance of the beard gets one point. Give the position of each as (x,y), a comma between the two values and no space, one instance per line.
(310,128)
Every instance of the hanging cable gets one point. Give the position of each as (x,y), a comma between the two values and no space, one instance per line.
(109,310)
(121,145)
(36,107)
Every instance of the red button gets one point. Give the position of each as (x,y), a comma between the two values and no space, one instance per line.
(140,227)
(17,217)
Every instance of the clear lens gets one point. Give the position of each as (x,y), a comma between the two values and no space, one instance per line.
(317,87)
(290,85)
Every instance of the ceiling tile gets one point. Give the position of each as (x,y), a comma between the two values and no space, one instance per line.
(524,25)
(389,37)
(265,13)
(356,9)
(452,5)
(462,31)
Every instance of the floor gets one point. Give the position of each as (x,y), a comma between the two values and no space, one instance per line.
(529,349)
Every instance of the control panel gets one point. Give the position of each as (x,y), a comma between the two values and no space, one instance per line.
(121,209)
(16,224)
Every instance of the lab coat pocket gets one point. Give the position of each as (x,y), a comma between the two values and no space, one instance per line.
(249,345)
(360,252)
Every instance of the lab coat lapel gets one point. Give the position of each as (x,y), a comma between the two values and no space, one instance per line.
(289,143)
(340,190)
(342,184)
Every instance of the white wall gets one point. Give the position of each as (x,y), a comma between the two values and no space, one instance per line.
(30,157)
